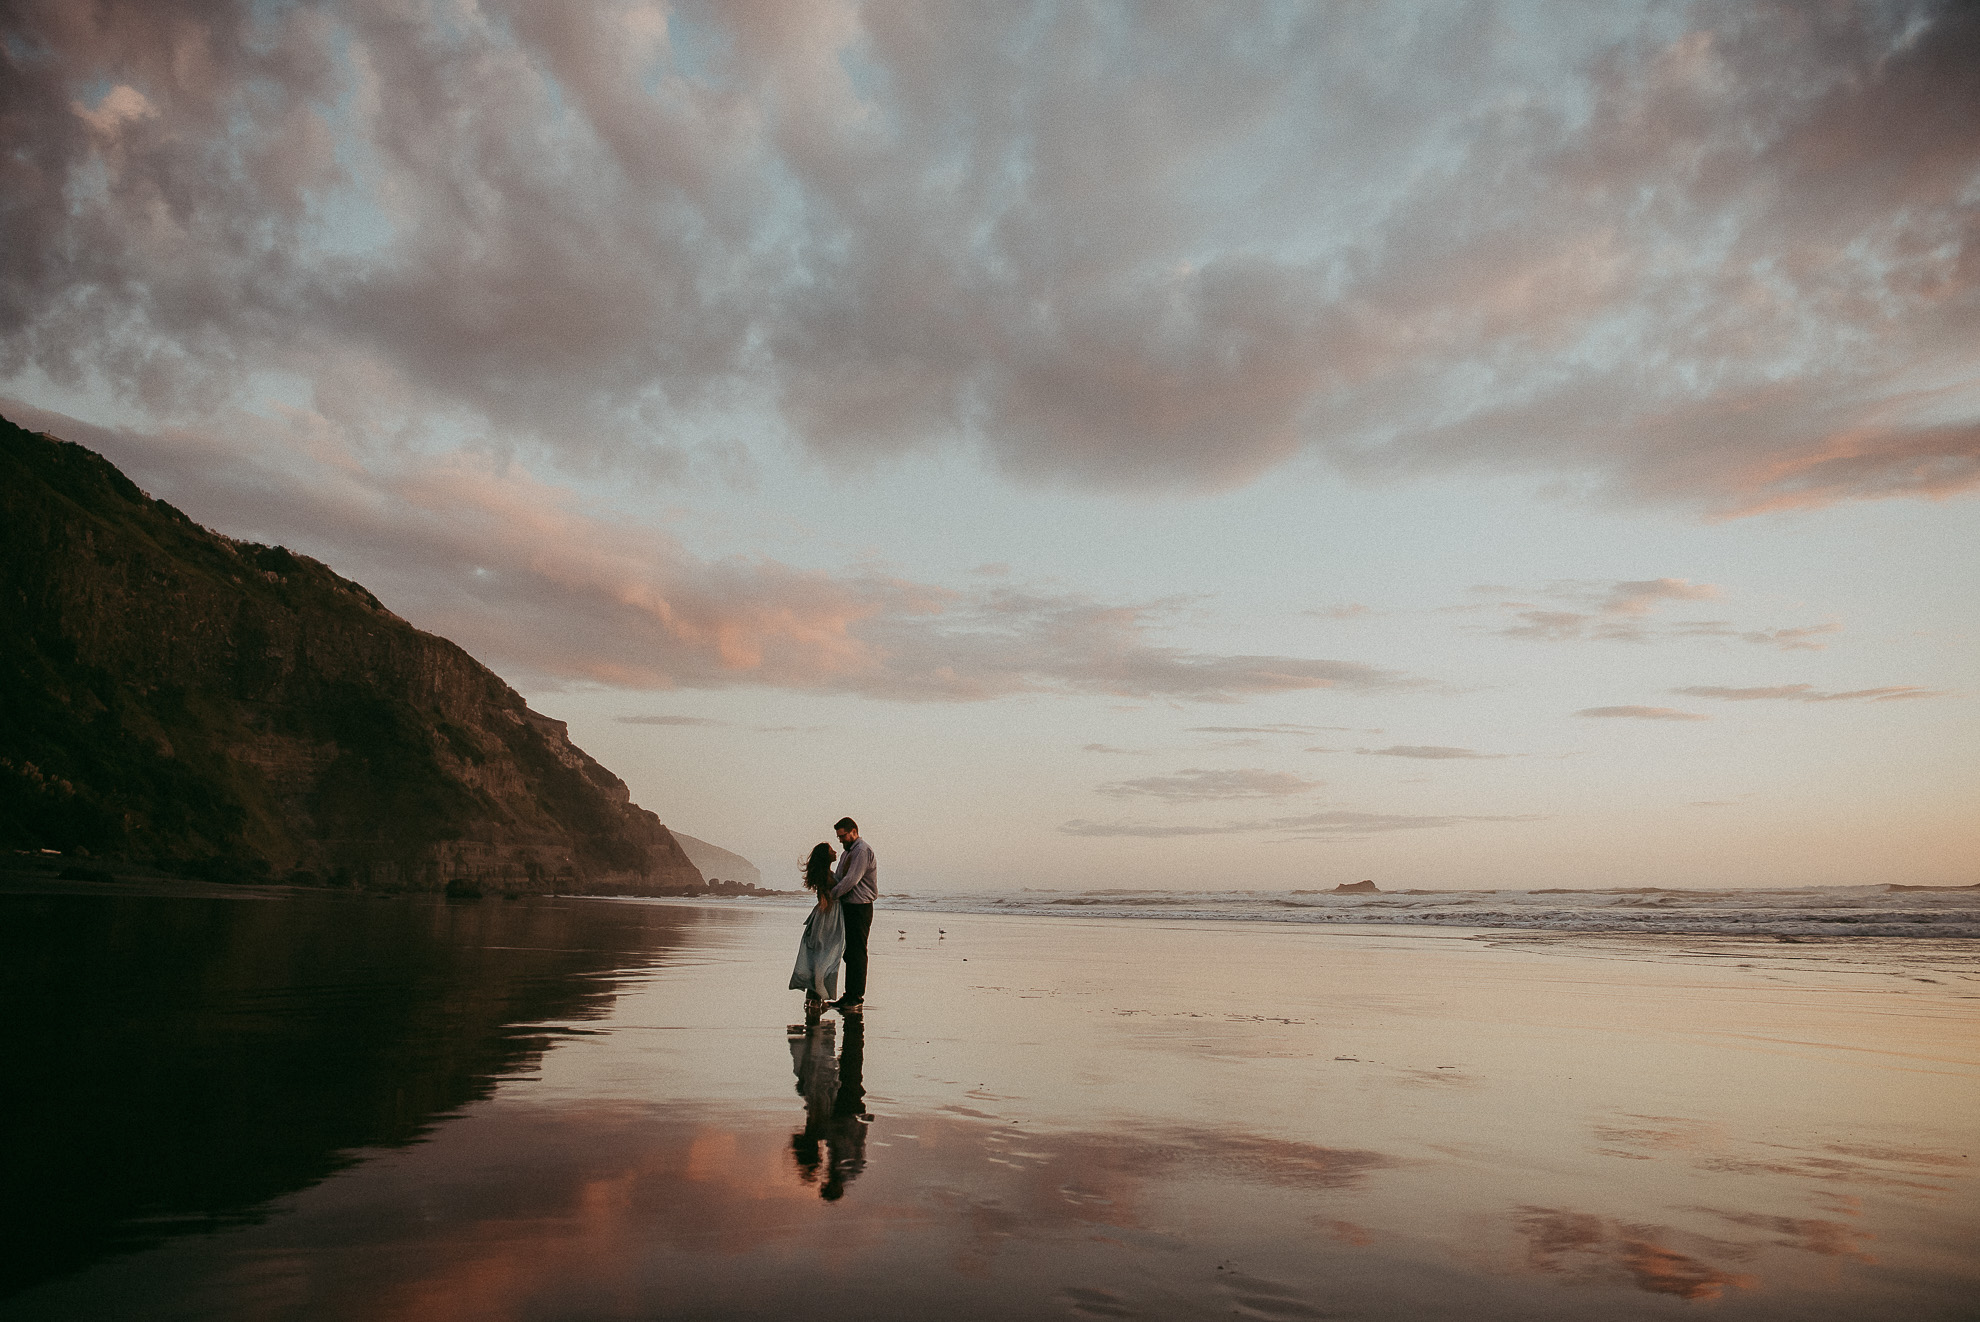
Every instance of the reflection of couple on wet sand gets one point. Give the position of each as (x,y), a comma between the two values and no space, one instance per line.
(838,925)
(834,1096)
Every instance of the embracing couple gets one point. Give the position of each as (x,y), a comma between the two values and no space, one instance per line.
(839,924)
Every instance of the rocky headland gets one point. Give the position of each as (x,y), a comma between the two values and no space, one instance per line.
(181,701)
(716,863)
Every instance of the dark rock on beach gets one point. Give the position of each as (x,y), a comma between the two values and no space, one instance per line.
(238,712)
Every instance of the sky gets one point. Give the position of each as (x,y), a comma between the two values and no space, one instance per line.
(1245,446)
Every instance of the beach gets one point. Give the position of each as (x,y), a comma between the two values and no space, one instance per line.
(1100,1117)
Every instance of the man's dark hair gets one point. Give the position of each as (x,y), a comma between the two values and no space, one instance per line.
(845,824)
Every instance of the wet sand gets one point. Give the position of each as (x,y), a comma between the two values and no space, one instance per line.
(1095,1118)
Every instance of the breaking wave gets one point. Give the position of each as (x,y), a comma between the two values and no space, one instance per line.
(1811,911)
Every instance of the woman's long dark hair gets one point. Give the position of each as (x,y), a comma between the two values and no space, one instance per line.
(818,869)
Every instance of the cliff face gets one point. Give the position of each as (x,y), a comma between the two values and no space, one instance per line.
(715,861)
(237,711)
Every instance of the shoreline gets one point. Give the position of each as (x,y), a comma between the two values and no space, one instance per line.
(1906,935)
(1949,948)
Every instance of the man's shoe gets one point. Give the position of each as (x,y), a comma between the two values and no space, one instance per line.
(844,1006)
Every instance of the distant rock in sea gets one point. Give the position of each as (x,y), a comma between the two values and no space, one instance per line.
(1356,888)
(238,712)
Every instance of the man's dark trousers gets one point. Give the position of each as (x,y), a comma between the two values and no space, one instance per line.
(859,923)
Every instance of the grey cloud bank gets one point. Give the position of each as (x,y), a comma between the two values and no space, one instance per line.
(1721,255)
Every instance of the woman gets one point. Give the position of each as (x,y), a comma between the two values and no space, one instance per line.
(824,943)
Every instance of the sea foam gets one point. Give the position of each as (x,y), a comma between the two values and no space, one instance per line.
(1809,911)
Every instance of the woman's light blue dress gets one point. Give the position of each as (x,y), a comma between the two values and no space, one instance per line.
(819,953)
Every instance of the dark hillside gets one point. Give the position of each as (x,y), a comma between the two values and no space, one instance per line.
(240,712)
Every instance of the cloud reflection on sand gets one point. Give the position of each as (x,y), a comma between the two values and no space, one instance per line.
(524,1211)
(1830,1239)
(615,1210)
(1888,1166)
(1589,1247)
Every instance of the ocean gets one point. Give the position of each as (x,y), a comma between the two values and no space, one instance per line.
(1785,912)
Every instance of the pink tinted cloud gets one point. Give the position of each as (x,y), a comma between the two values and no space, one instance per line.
(1723,257)
(519,573)
(1640,597)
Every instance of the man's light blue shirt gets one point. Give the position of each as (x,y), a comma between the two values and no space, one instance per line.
(858,875)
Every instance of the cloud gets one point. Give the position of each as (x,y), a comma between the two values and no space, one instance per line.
(1721,255)
(1613,609)
(1281,728)
(1338,825)
(1553,626)
(1644,713)
(1429,752)
(667,720)
(1147,831)
(1353,611)
(1787,640)
(1642,596)
(1197,785)
(1617,610)
(521,574)
(1108,748)
(1792,640)
(1808,693)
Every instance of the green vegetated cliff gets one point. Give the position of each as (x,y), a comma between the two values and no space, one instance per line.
(239,712)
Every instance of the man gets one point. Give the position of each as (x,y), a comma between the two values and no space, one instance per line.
(856,887)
